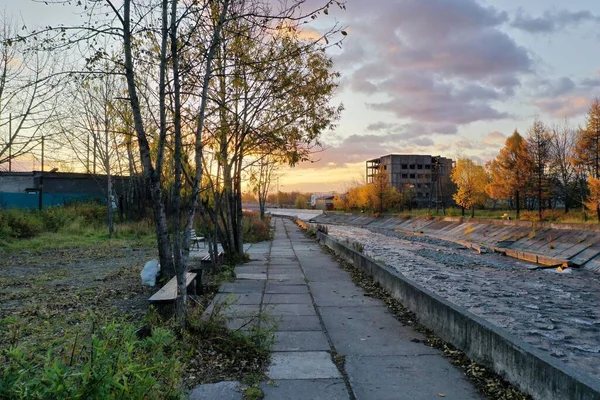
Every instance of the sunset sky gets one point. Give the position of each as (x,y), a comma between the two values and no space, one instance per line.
(447,77)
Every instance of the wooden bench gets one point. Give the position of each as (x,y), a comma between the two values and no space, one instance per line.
(205,264)
(168,293)
(195,240)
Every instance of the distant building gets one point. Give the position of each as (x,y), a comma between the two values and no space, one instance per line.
(316,196)
(324,203)
(22,189)
(428,177)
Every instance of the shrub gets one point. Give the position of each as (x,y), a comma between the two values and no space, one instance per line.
(21,224)
(91,212)
(547,215)
(55,218)
(112,364)
(254,229)
(553,215)
(529,216)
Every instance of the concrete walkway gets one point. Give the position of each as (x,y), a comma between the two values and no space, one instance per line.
(323,316)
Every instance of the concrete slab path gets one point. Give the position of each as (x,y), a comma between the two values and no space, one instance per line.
(323,317)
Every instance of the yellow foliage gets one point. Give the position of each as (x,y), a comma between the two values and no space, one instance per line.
(471,181)
(593,200)
(375,196)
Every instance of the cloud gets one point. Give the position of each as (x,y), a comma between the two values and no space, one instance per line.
(422,141)
(494,139)
(564,97)
(435,62)
(563,107)
(551,21)
(556,87)
(358,148)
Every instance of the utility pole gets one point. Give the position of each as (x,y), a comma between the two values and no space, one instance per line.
(41,191)
(10,142)
(94,155)
(87,160)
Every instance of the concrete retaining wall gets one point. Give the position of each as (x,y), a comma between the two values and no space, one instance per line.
(576,245)
(519,363)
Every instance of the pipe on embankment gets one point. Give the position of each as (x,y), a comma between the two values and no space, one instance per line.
(520,363)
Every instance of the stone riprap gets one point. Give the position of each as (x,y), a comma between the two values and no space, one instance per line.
(559,313)
(576,245)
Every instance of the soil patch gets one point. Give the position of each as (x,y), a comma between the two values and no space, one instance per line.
(49,295)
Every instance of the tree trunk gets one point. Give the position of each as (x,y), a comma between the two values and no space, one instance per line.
(261,207)
(539,193)
(518,204)
(152,176)
(109,189)
(240,213)
(181,238)
(472,211)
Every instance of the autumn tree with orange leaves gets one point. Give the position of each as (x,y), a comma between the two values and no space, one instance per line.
(510,171)
(471,181)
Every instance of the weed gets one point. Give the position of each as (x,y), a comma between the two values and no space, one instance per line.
(551,244)
(110,363)
(215,353)
(359,247)
(253,393)
(322,229)
(254,229)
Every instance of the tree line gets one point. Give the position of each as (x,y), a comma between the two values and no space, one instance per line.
(550,167)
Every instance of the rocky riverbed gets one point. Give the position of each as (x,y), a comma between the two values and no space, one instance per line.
(559,313)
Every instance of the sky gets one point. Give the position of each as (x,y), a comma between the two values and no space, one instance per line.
(440,77)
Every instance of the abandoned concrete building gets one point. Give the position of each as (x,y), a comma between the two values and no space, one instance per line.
(428,177)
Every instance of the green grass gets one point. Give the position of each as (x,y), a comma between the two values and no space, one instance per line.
(80,236)
(80,225)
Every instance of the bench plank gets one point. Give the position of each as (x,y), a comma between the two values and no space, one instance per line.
(169,291)
(195,240)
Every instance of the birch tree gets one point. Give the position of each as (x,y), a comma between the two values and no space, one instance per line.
(29,94)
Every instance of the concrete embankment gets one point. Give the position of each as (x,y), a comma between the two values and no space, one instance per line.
(550,244)
(520,363)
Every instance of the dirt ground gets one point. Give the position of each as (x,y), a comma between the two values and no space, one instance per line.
(47,296)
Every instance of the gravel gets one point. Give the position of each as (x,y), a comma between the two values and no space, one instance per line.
(559,313)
